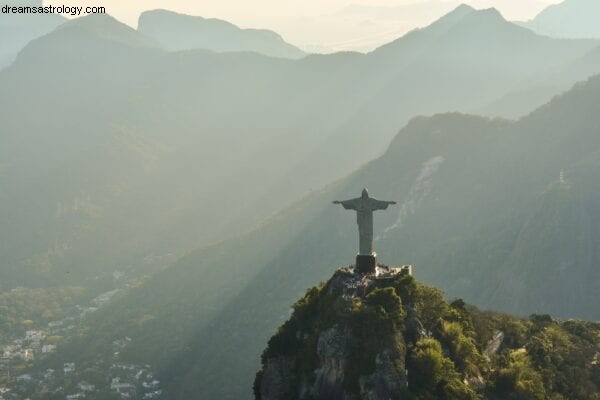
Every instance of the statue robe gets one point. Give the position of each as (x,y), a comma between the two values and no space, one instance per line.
(364,207)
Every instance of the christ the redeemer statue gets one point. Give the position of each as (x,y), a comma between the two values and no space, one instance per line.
(364,207)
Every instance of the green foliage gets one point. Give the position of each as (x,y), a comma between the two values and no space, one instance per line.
(462,348)
(564,355)
(406,286)
(374,325)
(385,302)
(518,379)
(430,305)
(431,375)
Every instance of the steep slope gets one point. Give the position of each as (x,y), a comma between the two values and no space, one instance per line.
(483,206)
(184,32)
(16,30)
(568,19)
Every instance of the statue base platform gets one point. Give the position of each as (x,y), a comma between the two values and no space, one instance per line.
(366,263)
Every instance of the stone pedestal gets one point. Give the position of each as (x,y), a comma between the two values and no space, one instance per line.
(366,263)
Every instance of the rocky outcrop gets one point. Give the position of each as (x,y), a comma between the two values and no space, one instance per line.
(494,344)
(384,336)
(387,381)
(329,362)
(414,327)
(332,349)
(276,379)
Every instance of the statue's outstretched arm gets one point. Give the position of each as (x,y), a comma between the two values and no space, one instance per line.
(381,204)
(347,204)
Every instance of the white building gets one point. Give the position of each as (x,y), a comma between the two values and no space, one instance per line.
(48,348)
(24,378)
(34,335)
(86,387)
(69,368)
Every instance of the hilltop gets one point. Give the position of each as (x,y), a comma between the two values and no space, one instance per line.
(17,30)
(384,336)
(177,32)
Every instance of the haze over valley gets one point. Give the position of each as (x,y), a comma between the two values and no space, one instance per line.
(166,189)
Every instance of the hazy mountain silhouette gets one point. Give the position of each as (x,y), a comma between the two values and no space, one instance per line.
(568,19)
(466,59)
(544,86)
(486,209)
(184,32)
(148,154)
(16,30)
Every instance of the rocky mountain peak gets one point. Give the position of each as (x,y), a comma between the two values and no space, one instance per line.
(384,335)
(330,349)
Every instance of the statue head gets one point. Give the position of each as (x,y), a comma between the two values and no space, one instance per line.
(365,193)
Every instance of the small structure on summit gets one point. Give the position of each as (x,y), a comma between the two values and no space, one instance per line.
(366,260)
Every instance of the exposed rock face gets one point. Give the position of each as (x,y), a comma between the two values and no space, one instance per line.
(414,327)
(334,351)
(494,344)
(276,379)
(386,381)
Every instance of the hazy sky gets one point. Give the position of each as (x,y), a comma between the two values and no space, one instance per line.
(321,25)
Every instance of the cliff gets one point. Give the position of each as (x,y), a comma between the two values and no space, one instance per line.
(386,336)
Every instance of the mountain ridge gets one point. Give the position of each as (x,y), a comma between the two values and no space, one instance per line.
(158,126)
(18,30)
(177,32)
(568,19)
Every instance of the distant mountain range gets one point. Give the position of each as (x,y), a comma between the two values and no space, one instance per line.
(183,32)
(568,19)
(168,29)
(118,179)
